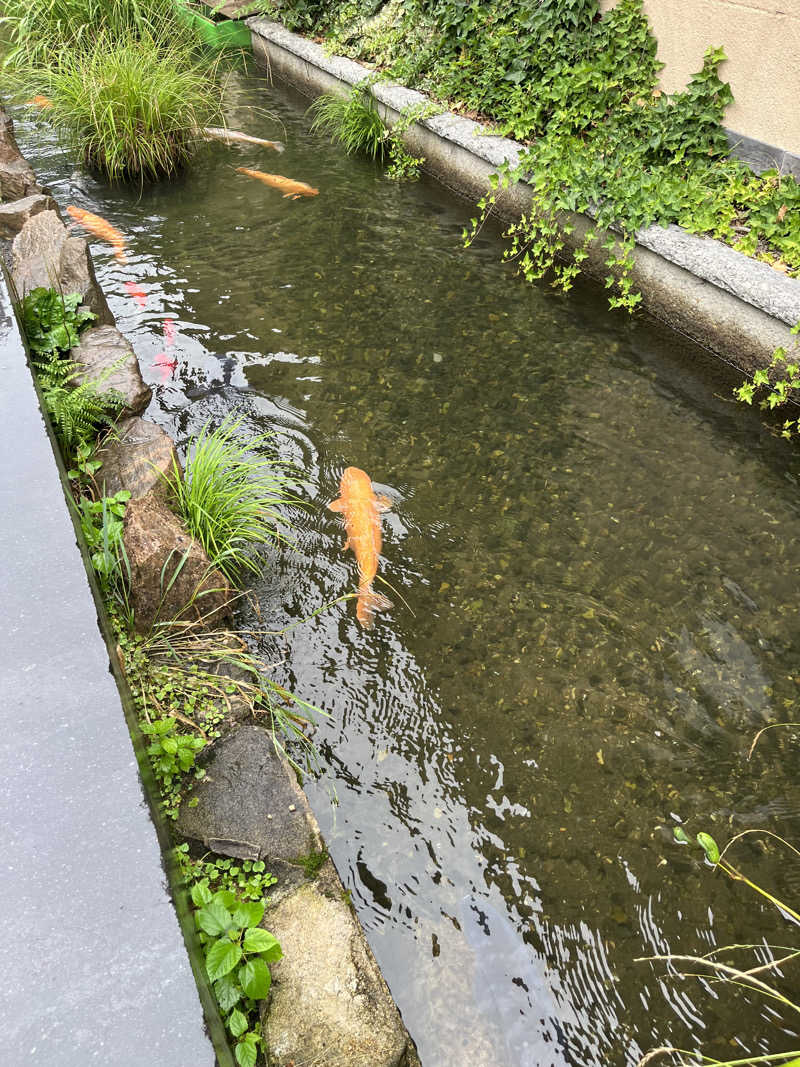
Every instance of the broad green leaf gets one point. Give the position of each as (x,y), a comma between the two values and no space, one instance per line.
(709,846)
(226,898)
(264,943)
(246,1054)
(255,979)
(248,914)
(237,1023)
(214,918)
(227,992)
(221,958)
(201,894)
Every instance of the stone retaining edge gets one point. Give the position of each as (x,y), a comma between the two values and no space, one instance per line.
(355,955)
(736,306)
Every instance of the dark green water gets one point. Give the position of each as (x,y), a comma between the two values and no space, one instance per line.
(598,551)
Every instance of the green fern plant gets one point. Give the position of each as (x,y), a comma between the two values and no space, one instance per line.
(77,411)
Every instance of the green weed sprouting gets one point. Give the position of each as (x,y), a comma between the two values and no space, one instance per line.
(230,499)
(353,121)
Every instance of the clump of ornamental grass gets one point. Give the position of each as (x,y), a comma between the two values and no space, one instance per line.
(130,106)
(230,498)
(41,29)
(353,121)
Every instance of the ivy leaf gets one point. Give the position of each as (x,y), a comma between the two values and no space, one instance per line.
(255,978)
(221,958)
(262,942)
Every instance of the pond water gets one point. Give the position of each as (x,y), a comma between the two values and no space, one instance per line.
(594,553)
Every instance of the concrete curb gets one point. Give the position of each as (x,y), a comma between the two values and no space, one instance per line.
(734,305)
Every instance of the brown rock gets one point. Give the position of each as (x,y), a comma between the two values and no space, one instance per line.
(17,179)
(110,361)
(170,574)
(16,213)
(136,458)
(44,254)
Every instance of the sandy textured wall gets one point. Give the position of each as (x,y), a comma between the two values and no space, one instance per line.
(762,41)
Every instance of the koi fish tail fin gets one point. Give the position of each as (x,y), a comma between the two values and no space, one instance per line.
(279,146)
(368,603)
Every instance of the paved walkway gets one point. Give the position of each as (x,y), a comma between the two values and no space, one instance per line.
(94,967)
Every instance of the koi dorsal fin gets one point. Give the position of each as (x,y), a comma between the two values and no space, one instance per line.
(336,505)
(383,502)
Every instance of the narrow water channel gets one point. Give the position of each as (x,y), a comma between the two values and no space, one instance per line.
(595,553)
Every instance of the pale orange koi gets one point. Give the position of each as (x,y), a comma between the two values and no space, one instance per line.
(165,365)
(169,333)
(43,102)
(100,228)
(288,186)
(361,510)
(217,133)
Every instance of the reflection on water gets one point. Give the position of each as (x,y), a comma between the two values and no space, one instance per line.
(595,553)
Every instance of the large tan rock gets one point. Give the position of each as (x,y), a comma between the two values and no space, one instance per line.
(137,457)
(329,1002)
(15,213)
(170,574)
(44,254)
(17,179)
(110,360)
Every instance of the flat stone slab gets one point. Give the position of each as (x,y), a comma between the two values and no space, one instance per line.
(249,805)
(135,457)
(45,255)
(329,1002)
(96,970)
(16,213)
(110,361)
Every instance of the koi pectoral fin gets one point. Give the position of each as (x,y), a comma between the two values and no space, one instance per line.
(383,502)
(336,505)
(346,545)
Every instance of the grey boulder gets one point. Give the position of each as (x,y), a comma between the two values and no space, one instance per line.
(136,458)
(15,214)
(17,179)
(111,362)
(45,255)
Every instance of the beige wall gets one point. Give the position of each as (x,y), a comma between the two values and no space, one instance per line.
(762,41)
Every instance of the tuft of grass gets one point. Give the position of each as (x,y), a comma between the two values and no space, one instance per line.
(353,121)
(229,499)
(41,29)
(130,106)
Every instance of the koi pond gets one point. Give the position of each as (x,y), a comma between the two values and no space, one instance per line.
(594,555)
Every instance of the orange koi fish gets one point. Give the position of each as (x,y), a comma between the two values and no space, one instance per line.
(43,102)
(169,333)
(137,293)
(217,133)
(290,188)
(361,509)
(100,228)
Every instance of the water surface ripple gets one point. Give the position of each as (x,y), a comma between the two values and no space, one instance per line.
(598,551)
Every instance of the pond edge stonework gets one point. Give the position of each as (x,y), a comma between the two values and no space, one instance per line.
(346,1006)
(735,306)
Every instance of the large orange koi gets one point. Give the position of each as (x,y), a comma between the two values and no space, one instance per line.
(361,510)
(100,228)
(277,181)
(43,102)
